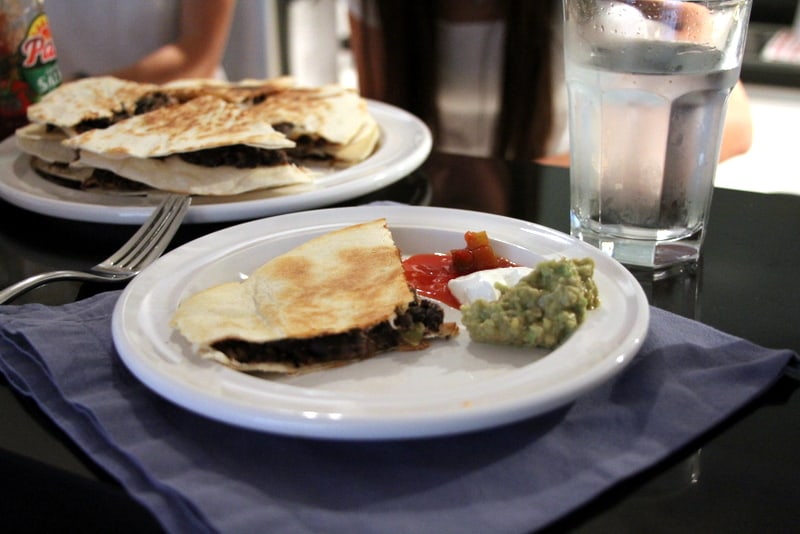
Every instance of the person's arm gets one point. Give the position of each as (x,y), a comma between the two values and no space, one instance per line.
(688,19)
(204,30)
(737,135)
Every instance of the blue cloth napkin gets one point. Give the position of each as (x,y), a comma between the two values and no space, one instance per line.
(198,475)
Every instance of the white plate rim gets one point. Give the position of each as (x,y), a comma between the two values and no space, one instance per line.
(404,145)
(263,405)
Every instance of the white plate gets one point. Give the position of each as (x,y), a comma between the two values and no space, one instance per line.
(404,144)
(454,386)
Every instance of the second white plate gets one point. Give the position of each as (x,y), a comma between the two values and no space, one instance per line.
(454,386)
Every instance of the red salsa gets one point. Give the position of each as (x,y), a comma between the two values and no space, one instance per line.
(428,274)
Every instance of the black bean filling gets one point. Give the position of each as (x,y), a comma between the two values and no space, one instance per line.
(99,124)
(103,179)
(283,127)
(153,101)
(257,99)
(352,345)
(306,146)
(239,156)
(145,104)
(100,179)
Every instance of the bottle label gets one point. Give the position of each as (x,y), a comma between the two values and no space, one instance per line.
(38,53)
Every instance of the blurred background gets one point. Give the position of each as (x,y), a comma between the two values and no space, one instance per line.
(309,39)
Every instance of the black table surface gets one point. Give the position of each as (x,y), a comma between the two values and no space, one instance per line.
(741,477)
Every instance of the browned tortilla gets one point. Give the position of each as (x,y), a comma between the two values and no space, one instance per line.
(332,291)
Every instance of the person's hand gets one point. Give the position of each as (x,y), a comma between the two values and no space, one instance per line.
(690,21)
(198,50)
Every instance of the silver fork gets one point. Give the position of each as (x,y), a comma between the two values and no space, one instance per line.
(138,252)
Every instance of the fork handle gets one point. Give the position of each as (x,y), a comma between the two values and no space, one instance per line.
(23,286)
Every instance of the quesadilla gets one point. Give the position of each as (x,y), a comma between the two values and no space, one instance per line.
(93,103)
(77,107)
(338,298)
(206,146)
(327,123)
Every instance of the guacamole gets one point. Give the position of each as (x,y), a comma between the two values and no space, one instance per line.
(542,310)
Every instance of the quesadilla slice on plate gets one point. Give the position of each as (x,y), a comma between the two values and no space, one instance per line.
(338,298)
(93,103)
(70,108)
(327,123)
(80,106)
(206,146)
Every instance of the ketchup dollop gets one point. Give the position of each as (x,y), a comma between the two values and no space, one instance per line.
(428,274)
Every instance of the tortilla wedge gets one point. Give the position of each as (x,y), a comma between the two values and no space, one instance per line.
(336,299)
(328,121)
(171,149)
(102,98)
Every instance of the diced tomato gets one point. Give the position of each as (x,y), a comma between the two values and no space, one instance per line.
(476,239)
(484,258)
(463,260)
(477,255)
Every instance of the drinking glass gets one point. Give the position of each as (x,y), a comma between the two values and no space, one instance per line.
(648,84)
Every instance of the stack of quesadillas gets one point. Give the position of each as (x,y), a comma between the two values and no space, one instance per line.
(200,137)
(338,298)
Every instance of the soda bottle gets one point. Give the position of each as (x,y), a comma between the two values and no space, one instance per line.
(28,66)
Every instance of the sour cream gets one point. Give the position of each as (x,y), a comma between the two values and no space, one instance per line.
(481,284)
